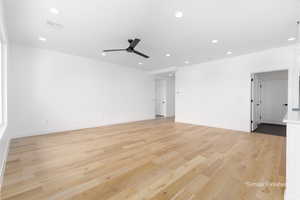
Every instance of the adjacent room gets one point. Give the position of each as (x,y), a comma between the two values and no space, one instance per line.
(149,100)
(269,102)
(165,95)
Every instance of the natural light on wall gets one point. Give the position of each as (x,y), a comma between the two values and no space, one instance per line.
(3,62)
(1,66)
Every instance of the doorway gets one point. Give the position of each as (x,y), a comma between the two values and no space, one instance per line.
(269,102)
(165,95)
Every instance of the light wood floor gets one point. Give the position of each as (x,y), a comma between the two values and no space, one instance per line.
(156,159)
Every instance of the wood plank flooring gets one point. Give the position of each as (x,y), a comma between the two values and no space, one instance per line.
(148,160)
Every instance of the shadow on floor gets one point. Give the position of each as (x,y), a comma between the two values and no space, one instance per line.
(271,129)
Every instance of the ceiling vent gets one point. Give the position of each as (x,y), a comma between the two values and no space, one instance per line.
(54,25)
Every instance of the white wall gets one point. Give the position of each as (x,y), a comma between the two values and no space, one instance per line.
(50,91)
(218,93)
(292,158)
(4,138)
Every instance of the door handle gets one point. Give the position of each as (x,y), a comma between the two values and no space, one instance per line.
(285,104)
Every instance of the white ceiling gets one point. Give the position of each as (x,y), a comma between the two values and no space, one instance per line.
(93,25)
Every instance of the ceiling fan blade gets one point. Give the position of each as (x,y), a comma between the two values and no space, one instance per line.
(134,43)
(110,50)
(141,54)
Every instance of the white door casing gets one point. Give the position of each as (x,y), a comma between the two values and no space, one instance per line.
(256,101)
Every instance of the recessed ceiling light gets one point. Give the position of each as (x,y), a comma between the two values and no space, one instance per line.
(178,14)
(214,41)
(54,11)
(168,54)
(103,54)
(43,39)
(229,52)
(140,63)
(292,39)
(186,62)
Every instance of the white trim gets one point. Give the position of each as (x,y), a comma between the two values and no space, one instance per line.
(76,127)
(5,155)
(3,35)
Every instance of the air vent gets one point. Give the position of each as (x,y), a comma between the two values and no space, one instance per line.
(54,25)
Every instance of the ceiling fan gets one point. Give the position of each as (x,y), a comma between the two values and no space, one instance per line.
(130,49)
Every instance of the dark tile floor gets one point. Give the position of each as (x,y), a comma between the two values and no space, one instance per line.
(271,129)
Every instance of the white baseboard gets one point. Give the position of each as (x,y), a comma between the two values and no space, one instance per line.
(195,122)
(74,127)
(5,154)
(290,196)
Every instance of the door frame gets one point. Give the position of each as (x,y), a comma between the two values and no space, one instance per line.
(170,78)
(158,105)
(250,100)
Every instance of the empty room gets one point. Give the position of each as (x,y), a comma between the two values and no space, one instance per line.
(149,100)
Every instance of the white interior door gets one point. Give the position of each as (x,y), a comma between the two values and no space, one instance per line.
(255,102)
(161,97)
(275,99)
